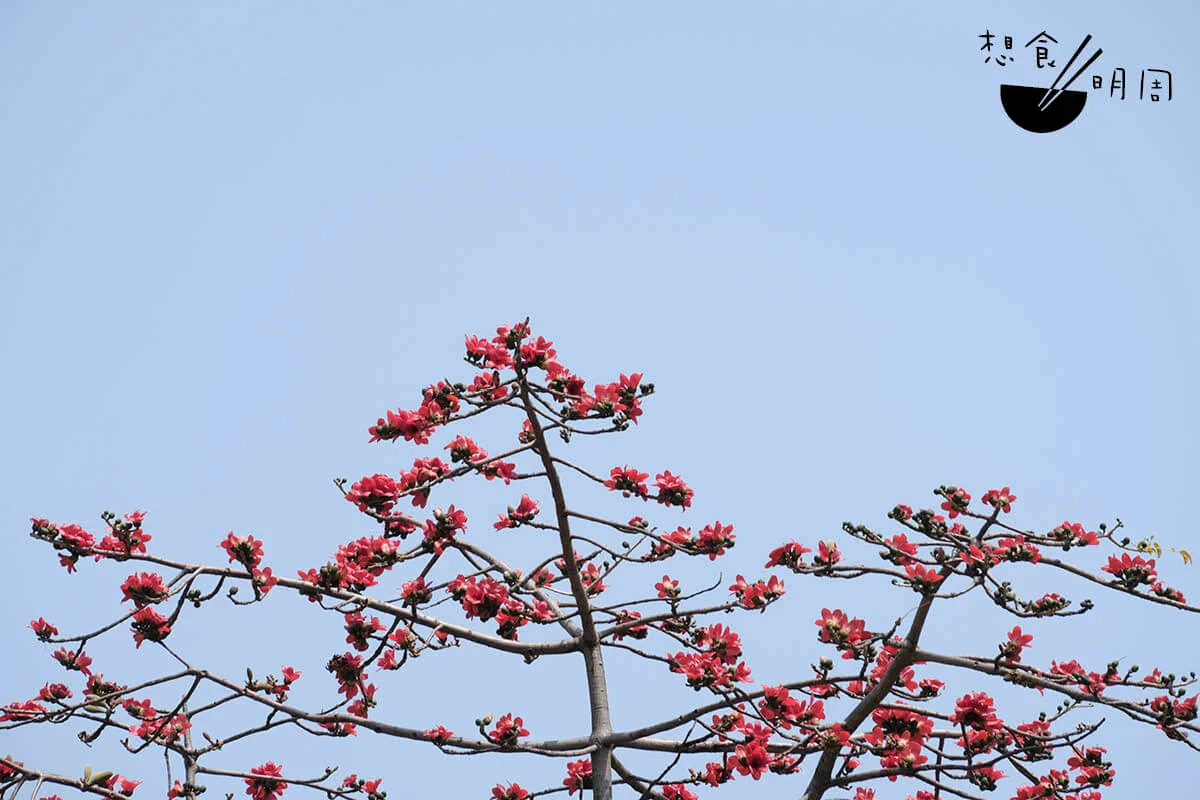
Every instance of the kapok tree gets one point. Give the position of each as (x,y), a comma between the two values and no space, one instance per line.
(836,728)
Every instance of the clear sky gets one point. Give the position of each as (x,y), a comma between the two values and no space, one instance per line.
(233,234)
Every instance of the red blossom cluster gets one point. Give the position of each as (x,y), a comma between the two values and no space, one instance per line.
(757,595)
(712,540)
(356,567)
(161,729)
(149,625)
(267,783)
(579,776)
(781,728)
(524,512)
(628,481)
(715,663)
(507,731)
(144,589)
(672,491)
(441,529)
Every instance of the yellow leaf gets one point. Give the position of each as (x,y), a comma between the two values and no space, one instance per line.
(98,777)
(1187,557)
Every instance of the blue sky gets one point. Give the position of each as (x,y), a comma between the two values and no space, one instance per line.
(232,235)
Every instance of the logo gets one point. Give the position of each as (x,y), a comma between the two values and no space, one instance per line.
(1040,108)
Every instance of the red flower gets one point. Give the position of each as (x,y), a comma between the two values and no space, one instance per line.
(439,735)
(827,554)
(268,785)
(1048,604)
(672,491)
(898,729)
(464,449)
(1017,641)
(1033,745)
(720,641)
(538,353)
(976,711)
(707,669)
(778,704)
(985,778)
(263,580)
(957,500)
(715,774)
(675,791)
(54,691)
(790,555)
(139,709)
(245,550)
(977,558)
(416,426)
(483,598)
(1017,549)
(374,493)
(1167,592)
(505,470)
(579,776)
(27,709)
(162,729)
(713,539)
(488,384)
(440,530)
(667,588)
(416,591)
(757,595)
(420,479)
(362,706)
(7,772)
(507,731)
(1131,571)
(1072,533)
(360,630)
(589,575)
(347,669)
(838,629)
(76,537)
(562,381)
(1000,498)
(628,481)
(900,550)
(127,785)
(751,759)
(149,625)
(144,589)
(512,792)
(125,536)
(73,660)
(483,353)
(43,630)
(923,579)
(525,511)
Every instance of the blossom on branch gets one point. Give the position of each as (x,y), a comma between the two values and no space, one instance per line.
(525,511)
(267,785)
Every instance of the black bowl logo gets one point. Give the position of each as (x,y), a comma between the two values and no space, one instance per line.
(1041,110)
(1023,104)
